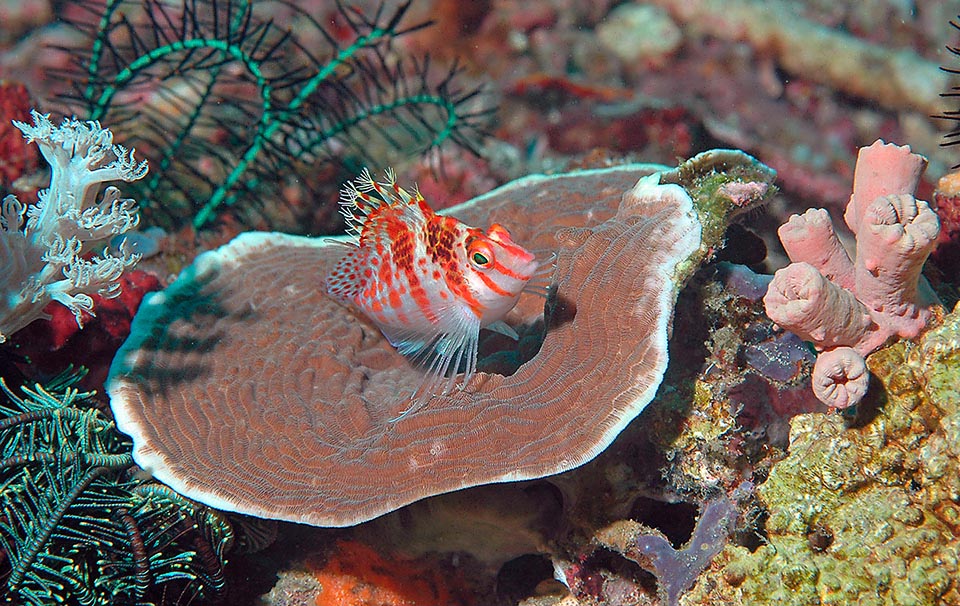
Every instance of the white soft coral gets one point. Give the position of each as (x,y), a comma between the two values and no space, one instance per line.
(44,262)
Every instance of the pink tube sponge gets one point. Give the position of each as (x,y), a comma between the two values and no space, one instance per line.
(810,238)
(882,169)
(840,377)
(850,308)
(807,304)
(897,235)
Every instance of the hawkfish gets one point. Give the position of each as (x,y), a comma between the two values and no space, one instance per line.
(429,282)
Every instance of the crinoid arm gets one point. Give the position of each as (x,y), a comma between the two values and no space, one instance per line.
(76,526)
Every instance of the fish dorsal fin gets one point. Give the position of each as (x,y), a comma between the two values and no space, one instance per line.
(364,198)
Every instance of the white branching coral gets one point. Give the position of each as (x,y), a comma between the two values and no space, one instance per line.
(42,247)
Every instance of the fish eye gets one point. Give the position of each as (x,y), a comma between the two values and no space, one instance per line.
(479,254)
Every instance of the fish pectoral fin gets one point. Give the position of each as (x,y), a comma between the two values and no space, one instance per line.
(440,356)
(409,342)
(504,329)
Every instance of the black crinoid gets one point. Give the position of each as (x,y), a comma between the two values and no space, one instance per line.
(237,102)
(77,527)
(952,137)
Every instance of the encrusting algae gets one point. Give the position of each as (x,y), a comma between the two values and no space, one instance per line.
(863,510)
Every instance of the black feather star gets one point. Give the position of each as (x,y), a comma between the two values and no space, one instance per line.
(234,100)
(77,527)
(952,137)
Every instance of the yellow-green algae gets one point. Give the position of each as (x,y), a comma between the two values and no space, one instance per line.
(863,512)
(705,175)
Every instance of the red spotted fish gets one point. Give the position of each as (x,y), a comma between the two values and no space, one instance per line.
(428,282)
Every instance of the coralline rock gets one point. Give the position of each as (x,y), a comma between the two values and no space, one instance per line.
(855,306)
(722,414)
(863,511)
(246,388)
